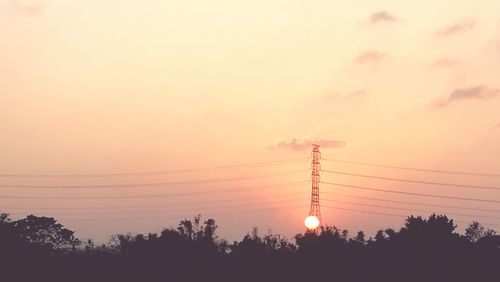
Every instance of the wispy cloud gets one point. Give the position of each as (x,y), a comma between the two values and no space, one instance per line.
(369,57)
(480,92)
(27,7)
(445,63)
(459,27)
(382,17)
(336,96)
(305,144)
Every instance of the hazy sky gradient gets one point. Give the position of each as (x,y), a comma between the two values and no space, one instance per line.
(111,86)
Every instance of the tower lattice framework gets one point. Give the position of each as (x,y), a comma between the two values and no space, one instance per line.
(316,167)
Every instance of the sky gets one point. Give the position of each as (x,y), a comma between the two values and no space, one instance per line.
(103,87)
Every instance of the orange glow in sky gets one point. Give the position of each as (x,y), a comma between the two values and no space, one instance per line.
(92,87)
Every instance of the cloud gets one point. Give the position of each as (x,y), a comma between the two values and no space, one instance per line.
(369,57)
(355,94)
(479,92)
(27,7)
(445,63)
(456,28)
(381,17)
(306,144)
(336,96)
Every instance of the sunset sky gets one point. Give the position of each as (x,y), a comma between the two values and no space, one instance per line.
(103,87)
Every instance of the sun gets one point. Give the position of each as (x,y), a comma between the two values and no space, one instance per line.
(311,222)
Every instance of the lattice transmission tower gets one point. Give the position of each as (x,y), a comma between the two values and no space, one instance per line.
(316,167)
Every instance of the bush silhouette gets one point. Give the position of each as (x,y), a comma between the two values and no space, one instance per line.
(424,249)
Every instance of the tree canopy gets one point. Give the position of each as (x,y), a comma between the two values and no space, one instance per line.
(423,249)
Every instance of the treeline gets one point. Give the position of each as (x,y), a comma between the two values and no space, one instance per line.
(424,249)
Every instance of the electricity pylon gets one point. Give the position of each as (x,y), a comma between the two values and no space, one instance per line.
(316,167)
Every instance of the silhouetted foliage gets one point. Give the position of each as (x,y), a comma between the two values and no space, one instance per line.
(10,240)
(476,232)
(45,232)
(423,249)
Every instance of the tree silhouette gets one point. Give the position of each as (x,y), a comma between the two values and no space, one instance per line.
(423,249)
(45,232)
(10,241)
(475,232)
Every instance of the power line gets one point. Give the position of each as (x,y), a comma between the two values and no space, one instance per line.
(161,172)
(409,210)
(172,209)
(163,214)
(416,169)
(412,193)
(240,205)
(414,181)
(218,180)
(229,190)
(363,211)
(175,204)
(413,203)
(393,215)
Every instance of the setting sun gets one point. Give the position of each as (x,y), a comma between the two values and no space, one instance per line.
(311,222)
